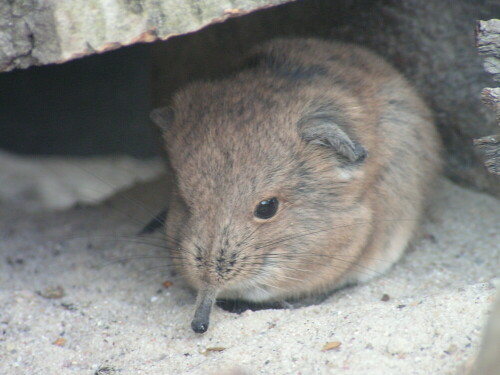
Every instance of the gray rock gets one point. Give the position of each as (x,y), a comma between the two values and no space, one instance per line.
(35,32)
(488,42)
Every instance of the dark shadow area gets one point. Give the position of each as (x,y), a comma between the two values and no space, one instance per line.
(238,306)
(94,105)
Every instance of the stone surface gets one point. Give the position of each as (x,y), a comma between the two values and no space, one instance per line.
(488,42)
(28,34)
(34,32)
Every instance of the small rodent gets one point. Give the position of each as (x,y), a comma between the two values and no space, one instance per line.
(304,171)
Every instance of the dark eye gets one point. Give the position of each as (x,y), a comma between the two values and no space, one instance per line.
(266,209)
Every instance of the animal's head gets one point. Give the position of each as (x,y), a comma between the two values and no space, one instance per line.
(266,184)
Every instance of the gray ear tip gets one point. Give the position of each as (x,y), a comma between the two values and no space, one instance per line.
(158,114)
(154,115)
(162,116)
(360,153)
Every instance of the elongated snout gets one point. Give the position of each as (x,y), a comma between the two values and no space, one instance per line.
(204,302)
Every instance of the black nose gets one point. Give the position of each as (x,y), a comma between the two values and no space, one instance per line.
(199,327)
(204,303)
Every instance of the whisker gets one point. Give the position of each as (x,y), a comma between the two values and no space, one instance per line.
(155,246)
(303,234)
(354,266)
(158,268)
(292,269)
(139,257)
(123,237)
(249,236)
(332,256)
(156,223)
(271,286)
(262,289)
(136,202)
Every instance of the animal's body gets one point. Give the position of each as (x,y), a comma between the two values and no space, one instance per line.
(306,170)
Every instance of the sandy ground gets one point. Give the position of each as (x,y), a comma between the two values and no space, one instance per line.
(116,317)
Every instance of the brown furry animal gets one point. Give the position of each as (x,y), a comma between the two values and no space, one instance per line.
(305,171)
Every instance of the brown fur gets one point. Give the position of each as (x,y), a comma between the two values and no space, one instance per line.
(260,133)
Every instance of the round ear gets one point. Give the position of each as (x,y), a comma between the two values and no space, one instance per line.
(163,117)
(325,125)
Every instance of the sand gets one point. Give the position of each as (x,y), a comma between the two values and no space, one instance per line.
(116,317)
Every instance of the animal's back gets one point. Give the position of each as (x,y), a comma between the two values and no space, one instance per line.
(329,139)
